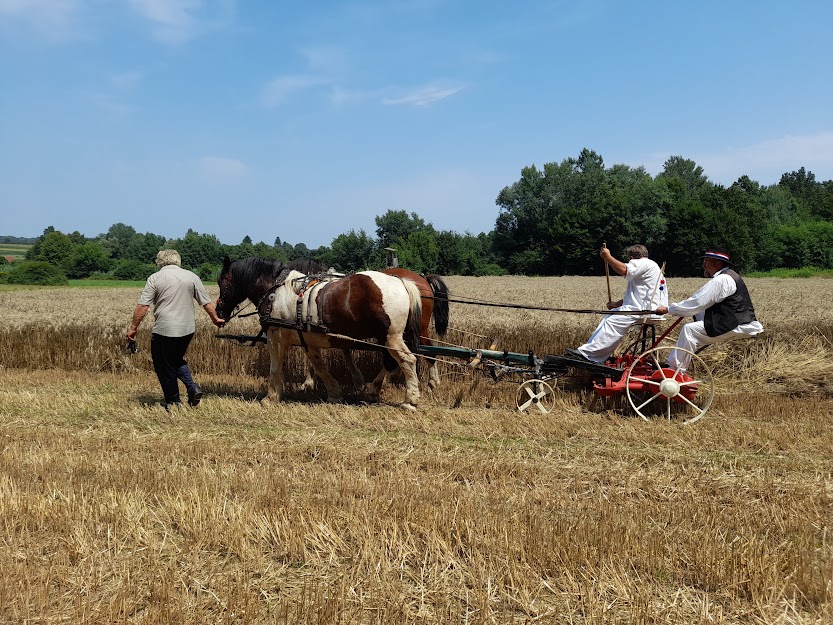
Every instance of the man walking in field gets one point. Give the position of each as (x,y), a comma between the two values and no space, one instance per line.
(722,310)
(646,289)
(172,291)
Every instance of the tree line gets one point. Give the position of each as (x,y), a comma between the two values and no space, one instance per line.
(551,221)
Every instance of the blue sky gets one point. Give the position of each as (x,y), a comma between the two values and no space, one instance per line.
(304,120)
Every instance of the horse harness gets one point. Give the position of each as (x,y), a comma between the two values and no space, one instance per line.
(301,322)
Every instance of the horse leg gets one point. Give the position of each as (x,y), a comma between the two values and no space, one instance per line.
(374,391)
(355,374)
(407,363)
(433,374)
(309,372)
(277,356)
(333,388)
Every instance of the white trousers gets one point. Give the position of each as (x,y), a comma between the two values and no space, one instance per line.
(607,336)
(693,336)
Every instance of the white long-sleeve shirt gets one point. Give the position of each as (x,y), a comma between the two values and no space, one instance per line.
(646,288)
(713,292)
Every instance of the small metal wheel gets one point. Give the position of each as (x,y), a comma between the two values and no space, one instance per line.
(654,389)
(535,393)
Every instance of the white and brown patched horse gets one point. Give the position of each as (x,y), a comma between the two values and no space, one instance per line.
(434,294)
(361,307)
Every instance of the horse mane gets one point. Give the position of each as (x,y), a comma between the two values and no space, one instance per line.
(250,270)
(308,266)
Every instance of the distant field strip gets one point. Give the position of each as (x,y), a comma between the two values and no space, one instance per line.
(13,249)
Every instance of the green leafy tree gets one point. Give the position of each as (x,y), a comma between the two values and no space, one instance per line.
(352,251)
(395,226)
(207,271)
(126,269)
(264,250)
(87,259)
(36,272)
(554,221)
(300,251)
(118,239)
(801,183)
(687,171)
(54,247)
(196,249)
(143,248)
(419,252)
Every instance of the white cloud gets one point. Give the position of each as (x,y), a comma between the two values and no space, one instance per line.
(218,167)
(767,160)
(763,162)
(174,20)
(277,91)
(54,20)
(424,96)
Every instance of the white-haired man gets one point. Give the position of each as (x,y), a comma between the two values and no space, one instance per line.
(646,289)
(172,291)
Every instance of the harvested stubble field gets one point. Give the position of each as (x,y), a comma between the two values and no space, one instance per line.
(115,511)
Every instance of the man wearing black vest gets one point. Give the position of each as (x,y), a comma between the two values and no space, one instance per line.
(722,310)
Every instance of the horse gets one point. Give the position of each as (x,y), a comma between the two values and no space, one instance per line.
(357,307)
(434,294)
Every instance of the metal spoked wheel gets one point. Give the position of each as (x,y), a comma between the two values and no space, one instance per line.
(656,390)
(537,394)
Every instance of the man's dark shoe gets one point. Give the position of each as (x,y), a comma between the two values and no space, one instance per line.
(195,397)
(576,355)
(171,404)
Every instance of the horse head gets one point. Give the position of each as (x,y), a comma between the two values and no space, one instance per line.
(228,299)
(247,278)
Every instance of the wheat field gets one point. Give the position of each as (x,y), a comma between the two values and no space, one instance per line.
(115,511)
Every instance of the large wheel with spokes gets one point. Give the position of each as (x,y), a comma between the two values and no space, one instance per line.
(535,394)
(656,390)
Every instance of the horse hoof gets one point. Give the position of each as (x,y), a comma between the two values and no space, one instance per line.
(410,407)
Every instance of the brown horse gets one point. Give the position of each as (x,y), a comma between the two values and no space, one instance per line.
(366,305)
(434,294)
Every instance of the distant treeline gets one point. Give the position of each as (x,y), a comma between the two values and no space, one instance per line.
(18,240)
(552,221)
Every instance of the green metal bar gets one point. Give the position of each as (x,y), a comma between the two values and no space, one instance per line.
(466,353)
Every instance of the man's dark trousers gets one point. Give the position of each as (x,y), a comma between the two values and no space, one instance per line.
(168,353)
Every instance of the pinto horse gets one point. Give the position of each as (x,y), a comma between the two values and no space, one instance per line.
(434,294)
(358,307)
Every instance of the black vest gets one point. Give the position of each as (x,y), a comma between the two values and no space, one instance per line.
(733,311)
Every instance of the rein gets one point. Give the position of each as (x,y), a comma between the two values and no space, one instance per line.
(585,311)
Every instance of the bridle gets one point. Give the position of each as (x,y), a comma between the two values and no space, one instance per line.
(280,280)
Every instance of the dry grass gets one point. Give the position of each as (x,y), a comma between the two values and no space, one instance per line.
(115,511)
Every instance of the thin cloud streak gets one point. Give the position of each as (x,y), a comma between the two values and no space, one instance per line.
(423,97)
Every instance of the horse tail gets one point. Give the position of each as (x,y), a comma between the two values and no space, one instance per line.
(412,329)
(440,290)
